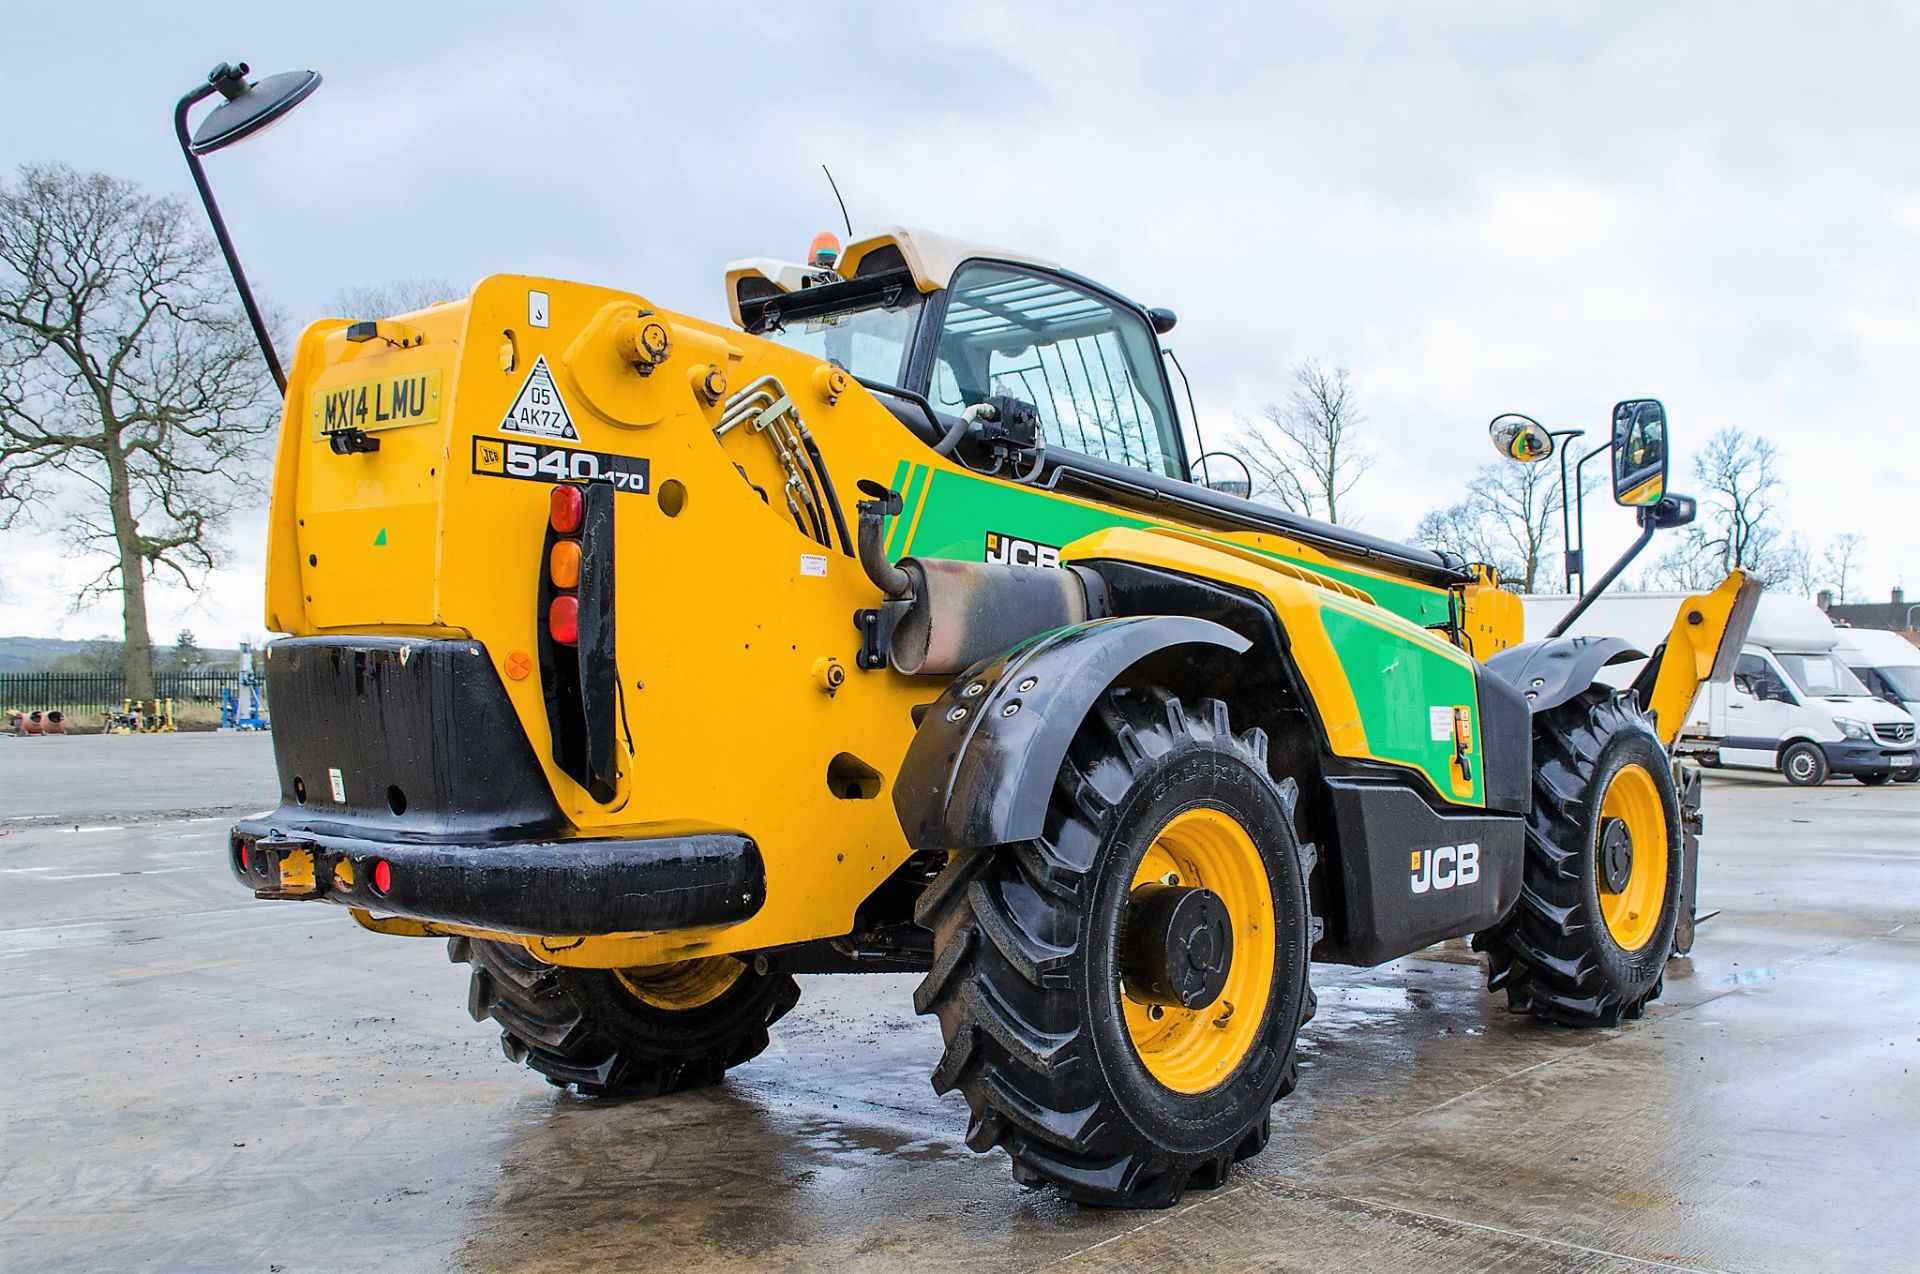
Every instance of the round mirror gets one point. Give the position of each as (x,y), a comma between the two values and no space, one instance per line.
(1521,438)
(260,106)
(1639,452)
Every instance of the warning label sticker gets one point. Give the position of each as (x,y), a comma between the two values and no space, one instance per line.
(539,409)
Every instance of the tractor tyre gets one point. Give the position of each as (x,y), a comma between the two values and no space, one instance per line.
(1588,942)
(1120,996)
(642,1032)
(1804,764)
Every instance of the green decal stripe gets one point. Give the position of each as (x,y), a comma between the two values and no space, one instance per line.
(896,539)
(961,509)
(1395,681)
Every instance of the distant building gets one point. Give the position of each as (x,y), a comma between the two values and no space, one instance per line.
(1896,616)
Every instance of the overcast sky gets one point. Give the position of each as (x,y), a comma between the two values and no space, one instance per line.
(1475,208)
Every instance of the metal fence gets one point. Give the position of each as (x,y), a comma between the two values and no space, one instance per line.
(100,692)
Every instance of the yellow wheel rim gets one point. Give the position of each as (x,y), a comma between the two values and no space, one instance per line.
(1193,1050)
(1633,913)
(686,985)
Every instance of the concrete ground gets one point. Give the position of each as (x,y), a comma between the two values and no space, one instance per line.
(194,1080)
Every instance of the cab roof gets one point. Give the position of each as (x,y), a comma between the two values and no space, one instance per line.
(931,257)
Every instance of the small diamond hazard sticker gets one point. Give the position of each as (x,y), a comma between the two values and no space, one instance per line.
(539,409)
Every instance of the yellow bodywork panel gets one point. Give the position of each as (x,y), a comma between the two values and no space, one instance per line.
(1309,608)
(725,609)
(1696,646)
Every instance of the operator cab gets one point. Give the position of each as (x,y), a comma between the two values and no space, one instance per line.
(1022,371)
(991,343)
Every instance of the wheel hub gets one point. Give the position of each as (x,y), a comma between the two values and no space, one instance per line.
(1176,946)
(1616,854)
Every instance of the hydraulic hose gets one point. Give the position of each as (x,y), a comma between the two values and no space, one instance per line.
(832,496)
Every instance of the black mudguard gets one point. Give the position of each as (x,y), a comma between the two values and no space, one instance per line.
(1551,671)
(981,769)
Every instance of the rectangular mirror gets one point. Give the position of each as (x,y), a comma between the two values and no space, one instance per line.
(1639,451)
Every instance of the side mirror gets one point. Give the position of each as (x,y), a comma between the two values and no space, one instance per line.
(1520,438)
(1639,452)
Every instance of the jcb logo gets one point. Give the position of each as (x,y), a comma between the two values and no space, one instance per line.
(1445,867)
(1011,550)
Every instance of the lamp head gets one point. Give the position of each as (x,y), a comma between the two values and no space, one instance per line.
(249,108)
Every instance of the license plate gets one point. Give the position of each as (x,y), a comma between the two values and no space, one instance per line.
(385,402)
(1901,762)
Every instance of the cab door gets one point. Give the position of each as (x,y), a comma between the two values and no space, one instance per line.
(1760,707)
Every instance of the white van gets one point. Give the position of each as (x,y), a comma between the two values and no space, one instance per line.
(1793,706)
(1889,666)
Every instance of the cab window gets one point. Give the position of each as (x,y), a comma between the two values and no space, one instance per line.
(1089,367)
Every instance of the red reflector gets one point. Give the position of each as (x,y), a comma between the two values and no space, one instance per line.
(382,876)
(563,619)
(565,508)
(246,860)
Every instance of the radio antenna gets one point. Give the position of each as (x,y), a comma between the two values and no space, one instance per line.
(843,203)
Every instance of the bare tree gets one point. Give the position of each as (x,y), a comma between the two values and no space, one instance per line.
(1739,483)
(397,296)
(1509,520)
(1305,452)
(1839,561)
(129,384)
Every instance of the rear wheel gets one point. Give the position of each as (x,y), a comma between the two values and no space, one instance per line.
(1805,765)
(1588,942)
(1907,776)
(641,1032)
(1874,780)
(1120,997)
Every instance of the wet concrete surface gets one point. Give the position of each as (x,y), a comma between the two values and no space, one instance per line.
(194,1080)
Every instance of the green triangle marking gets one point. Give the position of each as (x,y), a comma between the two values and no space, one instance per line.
(380,540)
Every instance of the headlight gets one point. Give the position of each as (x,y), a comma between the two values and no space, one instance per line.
(1851,728)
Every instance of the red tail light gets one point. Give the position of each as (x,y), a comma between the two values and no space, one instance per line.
(563,619)
(566,509)
(382,876)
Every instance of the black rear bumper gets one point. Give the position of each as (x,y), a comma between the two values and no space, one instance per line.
(560,887)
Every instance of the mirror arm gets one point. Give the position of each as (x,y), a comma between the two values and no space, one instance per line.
(1570,553)
(198,94)
(1648,525)
(1580,507)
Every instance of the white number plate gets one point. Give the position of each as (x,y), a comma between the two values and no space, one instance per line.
(543,462)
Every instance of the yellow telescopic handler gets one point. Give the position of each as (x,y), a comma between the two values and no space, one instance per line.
(651,661)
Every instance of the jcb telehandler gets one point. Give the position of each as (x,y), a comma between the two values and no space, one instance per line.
(593,671)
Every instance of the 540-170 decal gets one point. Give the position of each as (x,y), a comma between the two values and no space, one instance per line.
(543,462)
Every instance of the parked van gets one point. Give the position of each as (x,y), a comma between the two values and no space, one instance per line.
(1888,665)
(1793,705)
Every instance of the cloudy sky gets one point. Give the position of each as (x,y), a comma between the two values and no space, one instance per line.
(1476,208)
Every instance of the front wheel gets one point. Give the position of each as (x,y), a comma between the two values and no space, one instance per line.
(1588,942)
(642,1032)
(1908,776)
(1120,997)
(1875,780)
(1805,765)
